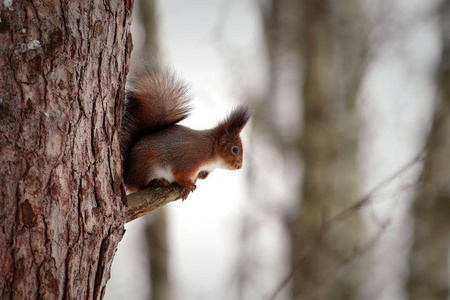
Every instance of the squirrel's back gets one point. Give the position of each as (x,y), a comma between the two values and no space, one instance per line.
(154,99)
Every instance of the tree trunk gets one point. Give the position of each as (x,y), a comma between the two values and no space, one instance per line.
(158,253)
(329,146)
(64,66)
(327,39)
(429,273)
(317,150)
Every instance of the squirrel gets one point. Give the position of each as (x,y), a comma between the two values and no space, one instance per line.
(156,150)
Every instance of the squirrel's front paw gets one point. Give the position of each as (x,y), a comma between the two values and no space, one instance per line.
(184,193)
(186,190)
(203,174)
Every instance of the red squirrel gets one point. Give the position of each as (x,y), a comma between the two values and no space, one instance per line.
(157,150)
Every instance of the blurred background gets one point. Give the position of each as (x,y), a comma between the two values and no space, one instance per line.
(345,190)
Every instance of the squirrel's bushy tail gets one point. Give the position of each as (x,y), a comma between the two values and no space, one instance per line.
(154,99)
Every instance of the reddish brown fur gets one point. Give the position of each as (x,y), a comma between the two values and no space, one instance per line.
(155,147)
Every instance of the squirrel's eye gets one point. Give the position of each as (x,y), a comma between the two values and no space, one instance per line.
(235,150)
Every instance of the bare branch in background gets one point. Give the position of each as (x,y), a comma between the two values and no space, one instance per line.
(346,213)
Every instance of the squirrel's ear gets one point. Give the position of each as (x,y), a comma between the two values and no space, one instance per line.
(235,122)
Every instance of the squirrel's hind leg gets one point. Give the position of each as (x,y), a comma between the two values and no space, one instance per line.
(159,182)
(162,182)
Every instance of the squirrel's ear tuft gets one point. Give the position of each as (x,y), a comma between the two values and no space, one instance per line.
(236,121)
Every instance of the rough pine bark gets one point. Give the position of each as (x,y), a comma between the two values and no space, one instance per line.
(63,69)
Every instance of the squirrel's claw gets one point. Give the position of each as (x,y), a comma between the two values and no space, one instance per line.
(186,190)
(184,193)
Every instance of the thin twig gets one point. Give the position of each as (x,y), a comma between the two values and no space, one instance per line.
(347,212)
(344,214)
